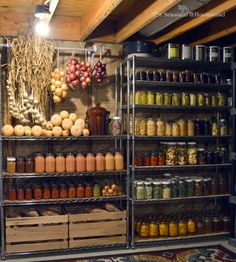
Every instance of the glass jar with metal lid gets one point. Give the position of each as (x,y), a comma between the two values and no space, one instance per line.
(189,187)
(198,187)
(200,99)
(223,128)
(181,154)
(186,52)
(167,99)
(199,52)
(157,190)
(182,189)
(182,127)
(151,127)
(140,190)
(221,99)
(171,154)
(191,226)
(182,228)
(193,99)
(166,191)
(168,128)
(173,228)
(201,156)
(150,98)
(160,127)
(159,98)
(185,99)
(174,188)
(20,164)
(176,99)
(153,229)
(141,97)
(163,229)
(144,229)
(214,53)
(192,153)
(175,129)
(190,127)
(148,190)
(227,54)
(116,126)
(206,186)
(207,99)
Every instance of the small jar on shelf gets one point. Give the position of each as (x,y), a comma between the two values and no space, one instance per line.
(200,99)
(80,191)
(11,165)
(90,162)
(12,194)
(140,190)
(182,189)
(70,163)
(190,128)
(193,99)
(50,163)
(182,228)
(167,99)
(116,126)
(150,98)
(181,154)
(198,187)
(154,159)
(171,154)
(144,229)
(223,128)
(63,193)
(153,229)
(168,128)
(46,191)
(151,127)
(189,188)
(148,190)
(163,229)
(185,99)
(214,101)
(221,99)
(88,191)
(161,159)
(191,226)
(20,193)
(175,129)
(206,186)
(214,128)
(28,193)
(173,228)
(54,191)
(20,164)
(80,163)
(60,163)
(176,99)
(29,165)
(207,99)
(96,190)
(38,194)
(192,153)
(159,98)
(71,190)
(160,131)
(157,190)
(182,127)
(166,191)
(39,163)
(201,156)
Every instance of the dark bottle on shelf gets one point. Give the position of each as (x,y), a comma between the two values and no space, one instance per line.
(206,128)
(149,75)
(209,158)
(223,156)
(156,76)
(198,127)
(223,185)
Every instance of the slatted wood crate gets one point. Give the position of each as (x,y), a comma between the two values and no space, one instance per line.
(36,233)
(94,229)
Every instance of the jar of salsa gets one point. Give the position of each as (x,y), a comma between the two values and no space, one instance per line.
(80,191)
(60,163)
(146,159)
(154,159)
(71,191)
(20,193)
(161,159)
(90,163)
(29,165)
(54,191)
(39,163)
(28,193)
(109,162)
(46,191)
(88,191)
(70,163)
(63,191)
(12,194)
(100,162)
(38,192)
(20,164)
(80,163)
(50,163)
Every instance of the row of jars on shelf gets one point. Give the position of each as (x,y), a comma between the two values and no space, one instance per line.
(61,191)
(172,226)
(180,99)
(181,154)
(180,127)
(179,187)
(68,162)
(183,77)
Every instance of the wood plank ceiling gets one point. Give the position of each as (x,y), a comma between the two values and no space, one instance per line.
(120,20)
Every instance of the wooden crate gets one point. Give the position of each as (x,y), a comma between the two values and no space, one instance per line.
(36,233)
(94,229)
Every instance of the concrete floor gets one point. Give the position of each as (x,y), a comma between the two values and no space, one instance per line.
(124,251)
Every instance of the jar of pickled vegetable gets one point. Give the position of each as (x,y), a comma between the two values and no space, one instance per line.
(182,189)
(140,190)
(192,153)
(181,154)
(182,228)
(144,230)
(207,99)
(223,127)
(174,189)
(176,99)
(166,191)
(157,190)
(214,129)
(214,101)
(141,97)
(153,229)
(167,99)
(190,128)
(185,99)
(193,99)
(168,128)
(148,190)
(11,164)
(160,127)
(150,98)
(173,229)
(175,129)
(189,188)
(96,190)
(80,191)
(198,187)
(163,229)
(139,128)
(200,99)
(159,98)
(221,99)
(201,156)
(191,226)
(182,127)
(151,127)
(88,191)
(171,156)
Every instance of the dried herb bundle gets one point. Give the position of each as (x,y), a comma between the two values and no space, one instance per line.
(29,77)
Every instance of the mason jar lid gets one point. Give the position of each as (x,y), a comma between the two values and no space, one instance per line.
(116,117)
(140,183)
(147,183)
(11,158)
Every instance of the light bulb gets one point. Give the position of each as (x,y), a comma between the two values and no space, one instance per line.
(42,28)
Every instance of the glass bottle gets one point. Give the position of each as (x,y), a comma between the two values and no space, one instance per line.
(60,163)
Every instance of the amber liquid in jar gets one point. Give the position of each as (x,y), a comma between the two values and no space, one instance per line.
(100,162)
(20,165)
(38,192)
(54,191)
(88,191)
(50,163)
(90,163)
(60,163)
(119,161)
(70,163)
(28,194)
(46,192)
(80,163)
(63,191)
(20,194)
(80,191)
(12,194)
(110,162)
(71,191)
(29,165)
(39,163)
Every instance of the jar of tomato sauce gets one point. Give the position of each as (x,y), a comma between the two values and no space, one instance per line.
(63,191)
(54,191)
(38,192)
(71,191)
(80,191)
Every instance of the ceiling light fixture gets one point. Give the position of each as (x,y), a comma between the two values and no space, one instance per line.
(41,24)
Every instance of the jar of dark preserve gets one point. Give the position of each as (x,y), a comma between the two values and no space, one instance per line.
(206,128)
(223,156)
(20,193)
(54,191)
(169,76)
(38,194)
(216,224)
(208,225)
(156,76)
(225,224)
(12,194)
(198,127)
(28,193)
(209,158)
(215,186)
(201,156)
(29,165)
(20,164)
(161,159)
(147,159)
(223,185)
(206,186)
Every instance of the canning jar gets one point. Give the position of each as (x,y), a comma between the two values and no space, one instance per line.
(139,127)
(12,194)
(226,224)
(198,127)
(168,128)
(163,229)
(80,162)
(157,190)
(159,98)
(148,190)
(138,159)
(71,190)
(29,165)
(116,126)
(201,156)
(162,75)
(54,191)
(189,188)
(146,159)
(182,77)
(227,54)
(196,78)
(109,162)
(206,186)
(176,99)
(160,127)
(190,128)
(175,76)
(175,129)
(169,76)
(214,129)
(38,192)
(182,127)
(172,51)
(167,99)
(140,190)
(119,161)
(90,162)
(28,193)
(46,191)
(20,193)
(208,225)
(185,99)
(173,228)
(96,190)
(20,164)
(11,164)
(50,163)
(198,187)
(221,99)
(80,191)
(223,155)
(223,127)
(150,98)
(182,228)
(156,76)
(214,53)
(182,189)
(192,153)
(191,226)
(171,154)
(181,154)
(200,99)
(174,189)
(63,193)
(60,163)
(144,230)
(154,159)
(223,185)
(149,75)
(141,97)
(207,100)
(153,229)
(161,159)
(166,191)
(216,224)
(215,187)
(206,128)
(214,100)
(100,162)
(88,191)
(151,127)
(39,163)
(193,99)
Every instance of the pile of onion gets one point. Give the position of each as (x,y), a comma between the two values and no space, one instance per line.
(85,74)
(58,85)
(100,72)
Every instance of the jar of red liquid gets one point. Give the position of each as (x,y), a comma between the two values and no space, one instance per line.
(20,194)
(138,159)
(161,159)
(80,191)
(146,159)
(154,159)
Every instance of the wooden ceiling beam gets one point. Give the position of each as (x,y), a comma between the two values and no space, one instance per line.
(145,17)
(181,28)
(95,15)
